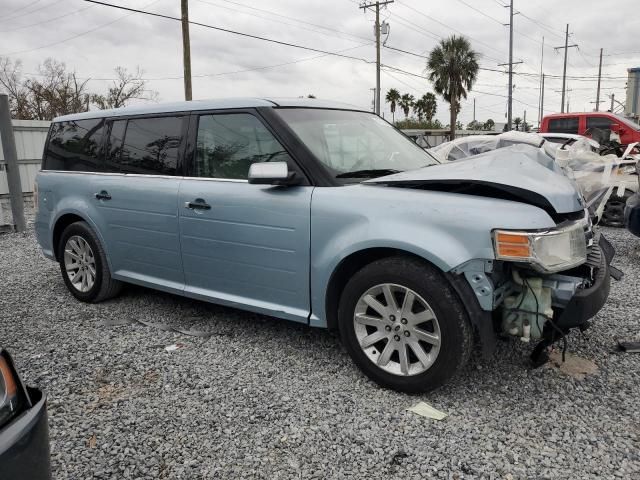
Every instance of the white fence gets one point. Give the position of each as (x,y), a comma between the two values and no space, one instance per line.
(30,136)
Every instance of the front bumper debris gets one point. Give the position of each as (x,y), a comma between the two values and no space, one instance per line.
(587,302)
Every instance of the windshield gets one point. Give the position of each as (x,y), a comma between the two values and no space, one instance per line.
(358,143)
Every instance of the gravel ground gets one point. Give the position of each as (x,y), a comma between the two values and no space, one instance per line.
(265,398)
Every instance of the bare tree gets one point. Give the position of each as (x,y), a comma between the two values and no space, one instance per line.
(54,91)
(128,86)
(57,92)
(11,83)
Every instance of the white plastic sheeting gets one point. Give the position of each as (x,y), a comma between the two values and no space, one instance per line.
(597,176)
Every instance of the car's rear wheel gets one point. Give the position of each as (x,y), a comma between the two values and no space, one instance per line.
(613,213)
(84,266)
(404,325)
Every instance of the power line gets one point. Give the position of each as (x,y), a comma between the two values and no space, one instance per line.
(446,26)
(405,72)
(268,12)
(226,30)
(74,36)
(23,7)
(218,74)
(540,24)
(22,27)
(481,12)
(30,11)
(525,75)
(414,26)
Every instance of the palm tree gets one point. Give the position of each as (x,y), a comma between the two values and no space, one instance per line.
(517,121)
(406,102)
(430,105)
(453,68)
(393,97)
(418,108)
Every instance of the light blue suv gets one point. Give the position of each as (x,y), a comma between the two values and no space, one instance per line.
(322,214)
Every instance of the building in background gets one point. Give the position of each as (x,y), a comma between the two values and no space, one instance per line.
(632,105)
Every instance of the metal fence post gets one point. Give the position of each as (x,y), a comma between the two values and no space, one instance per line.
(11,158)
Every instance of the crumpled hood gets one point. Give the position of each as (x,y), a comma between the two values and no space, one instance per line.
(520,172)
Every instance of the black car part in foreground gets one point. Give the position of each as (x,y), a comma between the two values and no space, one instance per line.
(24,430)
(584,304)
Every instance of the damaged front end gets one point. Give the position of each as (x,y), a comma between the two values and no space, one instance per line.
(540,300)
(532,283)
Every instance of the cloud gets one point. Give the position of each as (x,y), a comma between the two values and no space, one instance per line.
(108,38)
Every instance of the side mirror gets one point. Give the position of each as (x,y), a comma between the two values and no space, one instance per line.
(615,127)
(271,173)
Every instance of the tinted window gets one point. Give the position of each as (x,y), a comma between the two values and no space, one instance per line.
(564,125)
(75,146)
(151,146)
(114,147)
(603,123)
(227,145)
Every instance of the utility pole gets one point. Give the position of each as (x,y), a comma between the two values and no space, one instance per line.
(568,97)
(524,122)
(11,159)
(474,109)
(511,63)
(510,100)
(599,75)
(377,5)
(186,49)
(373,103)
(541,85)
(564,69)
(542,103)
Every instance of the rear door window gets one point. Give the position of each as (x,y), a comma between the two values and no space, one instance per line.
(602,123)
(564,125)
(227,145)
(75,146)
(148,146)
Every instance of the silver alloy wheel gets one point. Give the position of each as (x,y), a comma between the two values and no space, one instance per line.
(397,329)
(79,263)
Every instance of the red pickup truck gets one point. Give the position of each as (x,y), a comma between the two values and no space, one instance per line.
(579,123)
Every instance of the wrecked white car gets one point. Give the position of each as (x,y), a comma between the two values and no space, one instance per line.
(605,181)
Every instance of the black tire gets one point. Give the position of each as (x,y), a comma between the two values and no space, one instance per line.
(432,286)
(104,286)
(613,213)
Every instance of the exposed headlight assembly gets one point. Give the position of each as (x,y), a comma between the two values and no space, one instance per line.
(547,251)
(13,395)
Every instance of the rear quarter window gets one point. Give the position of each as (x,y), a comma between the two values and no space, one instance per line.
(75,146)
(148,146)
(563,125)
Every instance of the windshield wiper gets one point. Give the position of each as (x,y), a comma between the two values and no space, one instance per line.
(369,173)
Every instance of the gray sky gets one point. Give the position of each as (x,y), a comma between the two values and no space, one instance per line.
(93,40)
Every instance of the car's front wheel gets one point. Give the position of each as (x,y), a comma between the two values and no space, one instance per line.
(84,266)
(404,325)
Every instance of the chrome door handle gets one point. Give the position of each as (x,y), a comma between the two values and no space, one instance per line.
(197,204)
(103,195)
